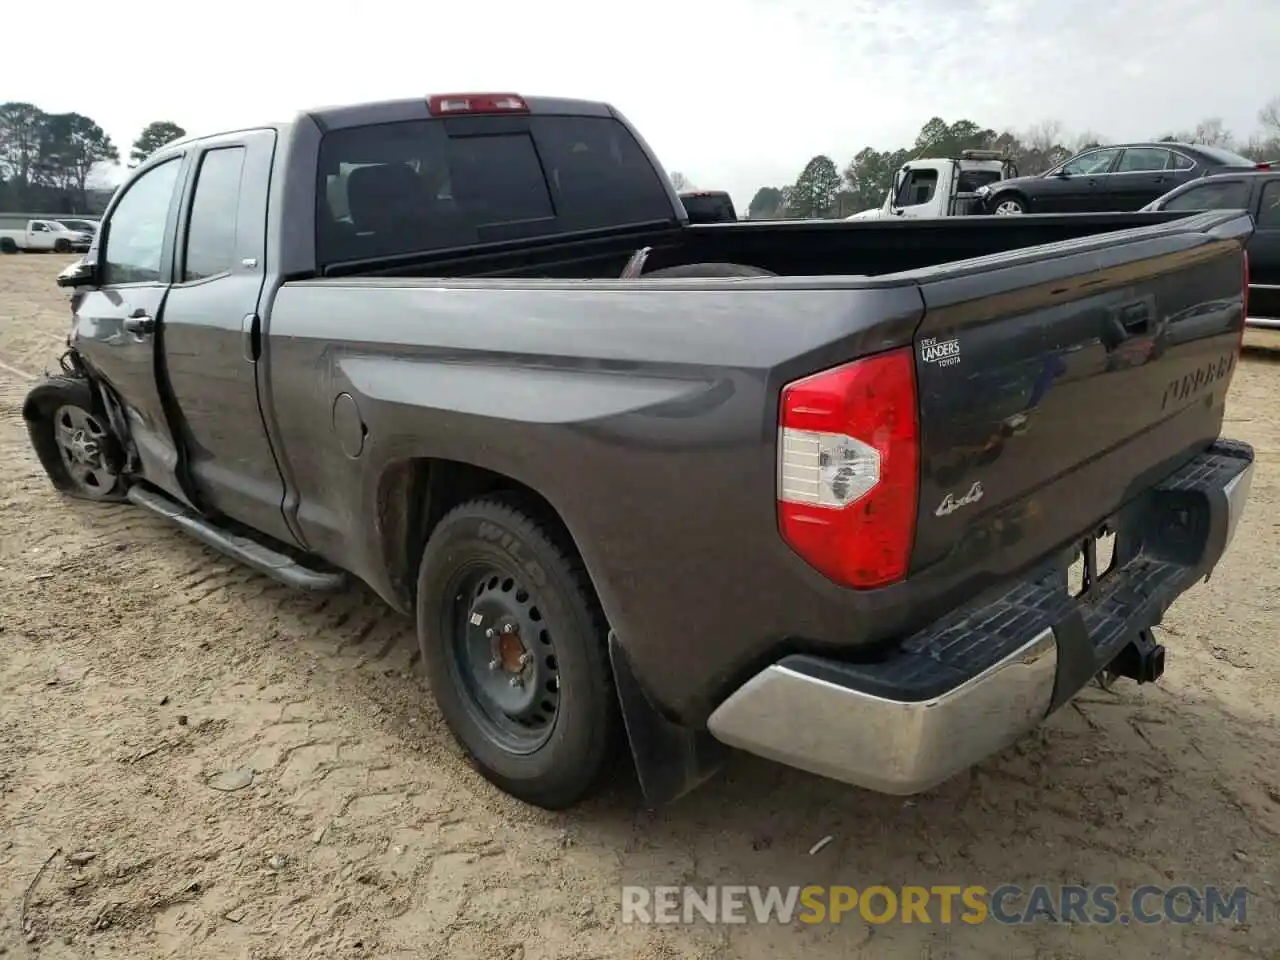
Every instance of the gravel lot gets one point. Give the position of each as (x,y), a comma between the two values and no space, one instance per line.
(142,675)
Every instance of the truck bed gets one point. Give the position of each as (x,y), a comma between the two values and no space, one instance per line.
(820,248)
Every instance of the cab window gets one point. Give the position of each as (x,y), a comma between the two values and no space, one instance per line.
(134,245)
(918,187)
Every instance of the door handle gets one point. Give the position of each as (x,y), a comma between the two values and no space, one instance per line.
(140,324)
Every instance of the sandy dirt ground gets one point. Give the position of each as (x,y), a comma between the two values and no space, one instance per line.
(142,677)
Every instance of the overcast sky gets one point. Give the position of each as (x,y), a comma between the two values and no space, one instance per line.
(736,94)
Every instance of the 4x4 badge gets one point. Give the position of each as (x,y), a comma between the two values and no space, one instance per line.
(950,504)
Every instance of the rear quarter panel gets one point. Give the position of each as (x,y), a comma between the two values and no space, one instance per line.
(644,413)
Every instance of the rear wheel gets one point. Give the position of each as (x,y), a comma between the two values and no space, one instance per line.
(710,270)
(513,642)
(61,246)
(1009,206)
(73,439)
(8,245)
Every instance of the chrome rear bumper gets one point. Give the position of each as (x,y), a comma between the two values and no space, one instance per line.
(804,715)
(887,745)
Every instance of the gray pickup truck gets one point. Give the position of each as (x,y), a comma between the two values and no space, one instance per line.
(870,499)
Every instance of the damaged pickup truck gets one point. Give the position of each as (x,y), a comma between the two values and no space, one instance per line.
(814,490)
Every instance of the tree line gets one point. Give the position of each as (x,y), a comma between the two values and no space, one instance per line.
(48,161)
(822,190)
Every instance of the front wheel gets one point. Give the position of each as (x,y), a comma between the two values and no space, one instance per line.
(513,642)
(1010,207)
(73,440)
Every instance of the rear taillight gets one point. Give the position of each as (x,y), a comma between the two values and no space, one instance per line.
(848,461)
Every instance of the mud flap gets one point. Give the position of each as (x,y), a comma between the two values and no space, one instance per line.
(670,759)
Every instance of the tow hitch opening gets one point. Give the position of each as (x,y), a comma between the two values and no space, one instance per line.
(1142,659)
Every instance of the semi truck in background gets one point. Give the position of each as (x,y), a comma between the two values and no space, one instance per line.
(934,187)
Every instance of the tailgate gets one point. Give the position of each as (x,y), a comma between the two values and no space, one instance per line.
(1058,382)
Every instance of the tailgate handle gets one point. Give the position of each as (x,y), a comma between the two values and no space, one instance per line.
(1131,320)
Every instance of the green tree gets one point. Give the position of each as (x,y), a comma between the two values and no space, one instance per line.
(154,136)
(869,175)
(71,146)
(765,205)
(21,130)
(814,193)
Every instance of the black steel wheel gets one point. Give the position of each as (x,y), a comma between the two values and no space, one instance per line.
(503,657)
(513,642)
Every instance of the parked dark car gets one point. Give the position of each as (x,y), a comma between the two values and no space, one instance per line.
(709,206)
(810,489)
(76,223)
(1258,192)
(1110,179)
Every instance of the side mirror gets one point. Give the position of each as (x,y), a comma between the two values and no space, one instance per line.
(1061,174)
(81,274)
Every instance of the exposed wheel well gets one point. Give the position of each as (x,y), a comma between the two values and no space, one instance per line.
(414,494)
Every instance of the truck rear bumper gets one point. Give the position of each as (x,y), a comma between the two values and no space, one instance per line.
(971,684)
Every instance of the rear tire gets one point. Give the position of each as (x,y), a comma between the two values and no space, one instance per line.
(533,706)
(62,246)
(8,245)
(73,439)
(710,270)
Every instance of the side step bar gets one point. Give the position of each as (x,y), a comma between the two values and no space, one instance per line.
(251,553)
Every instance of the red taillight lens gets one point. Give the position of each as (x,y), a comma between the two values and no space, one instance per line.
(848,469)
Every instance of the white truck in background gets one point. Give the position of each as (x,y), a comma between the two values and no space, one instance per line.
(931,187)
(40,236)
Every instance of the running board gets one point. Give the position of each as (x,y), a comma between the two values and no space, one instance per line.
(251,553)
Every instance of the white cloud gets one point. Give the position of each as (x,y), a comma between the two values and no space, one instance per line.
(734,93)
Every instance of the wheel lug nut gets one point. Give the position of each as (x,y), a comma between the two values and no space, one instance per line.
(489,633)
(517,682)
(524,659)
(494,664)
(509,628)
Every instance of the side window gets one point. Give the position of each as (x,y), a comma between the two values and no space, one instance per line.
(135,232)
(38,227)
(1090,164)
(1181,163)
(211,229)
(1142,160)
(917,188)
(1221,195)
(1269,211)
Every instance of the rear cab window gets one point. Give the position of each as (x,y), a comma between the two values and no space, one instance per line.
(1269,209)
(396,189)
